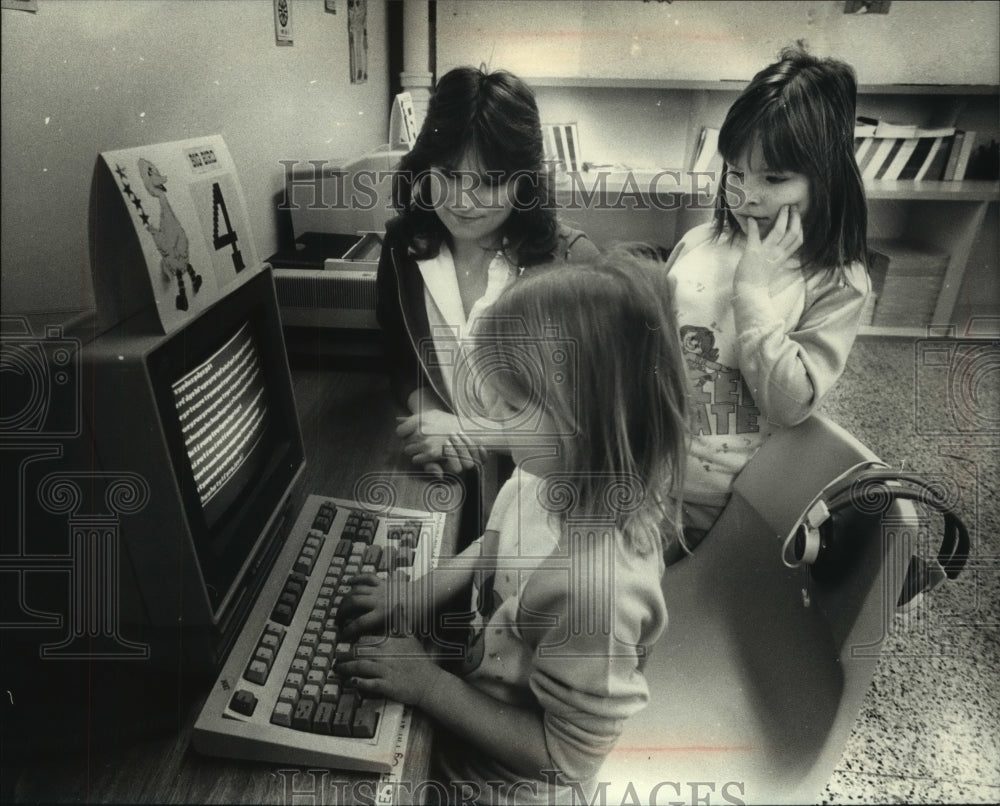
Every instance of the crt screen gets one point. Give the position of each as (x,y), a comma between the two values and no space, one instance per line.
(222,409)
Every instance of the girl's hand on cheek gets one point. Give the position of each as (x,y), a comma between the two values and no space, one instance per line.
(397,668)
(762,258)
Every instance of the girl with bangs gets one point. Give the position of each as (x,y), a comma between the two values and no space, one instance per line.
(580,377)
(770,293)
(475,211)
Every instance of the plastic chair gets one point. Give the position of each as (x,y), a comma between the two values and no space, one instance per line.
(757,682)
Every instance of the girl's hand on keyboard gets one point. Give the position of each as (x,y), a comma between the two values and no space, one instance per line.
(365,609)
(397,668)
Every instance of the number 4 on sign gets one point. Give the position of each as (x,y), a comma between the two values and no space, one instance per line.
(228,238)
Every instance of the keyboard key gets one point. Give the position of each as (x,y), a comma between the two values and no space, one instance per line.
(303,714)
(243,702)
(282,614)
(330,692)
(372,556)
(323,718)
(325,517)
(344,717)
(289,694)
(388,560)
(366,719)
(282,714)
(257,672)
(310,691)
(296,583)
(270,639)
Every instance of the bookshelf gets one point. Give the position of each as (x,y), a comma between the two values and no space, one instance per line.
(658,124)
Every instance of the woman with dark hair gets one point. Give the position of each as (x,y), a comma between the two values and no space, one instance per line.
(475,211)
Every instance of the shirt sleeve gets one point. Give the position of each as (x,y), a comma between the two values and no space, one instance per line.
(589,638)
(789,373)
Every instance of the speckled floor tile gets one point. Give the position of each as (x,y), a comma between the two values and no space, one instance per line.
(861,788)
(929,728)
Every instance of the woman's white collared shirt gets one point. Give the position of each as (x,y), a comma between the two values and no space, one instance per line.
(445,314)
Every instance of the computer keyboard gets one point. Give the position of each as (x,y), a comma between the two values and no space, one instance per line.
(277,698)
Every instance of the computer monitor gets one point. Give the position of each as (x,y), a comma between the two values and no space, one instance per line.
(144,544)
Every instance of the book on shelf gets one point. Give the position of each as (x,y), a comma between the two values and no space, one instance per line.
(964,153)
(956,149)
(881,153)
(922,148)
(937,158)
(902,157)
(921,153)
(863,150)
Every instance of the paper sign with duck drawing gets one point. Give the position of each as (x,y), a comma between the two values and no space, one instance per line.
(188,213)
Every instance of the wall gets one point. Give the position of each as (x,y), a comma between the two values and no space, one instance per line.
(635,124)
(87,76)
(945,42)
(647,126)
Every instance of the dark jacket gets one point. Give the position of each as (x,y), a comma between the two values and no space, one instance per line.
(402,313)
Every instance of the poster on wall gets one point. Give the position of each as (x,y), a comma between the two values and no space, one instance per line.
(20,5)
(283,22)
(168,227)
(357,36)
